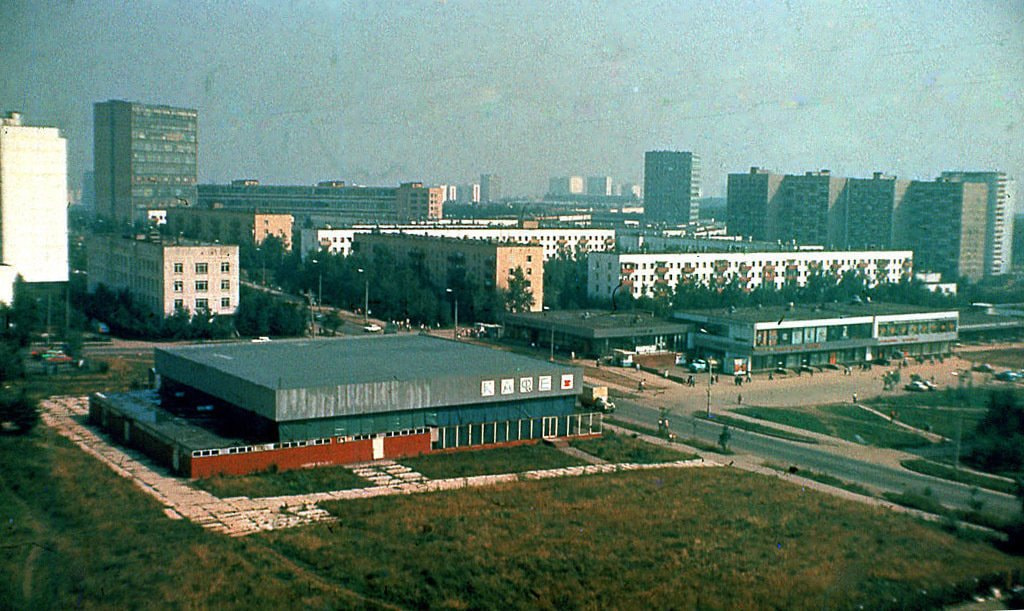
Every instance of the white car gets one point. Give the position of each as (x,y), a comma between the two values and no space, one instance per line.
(372,328)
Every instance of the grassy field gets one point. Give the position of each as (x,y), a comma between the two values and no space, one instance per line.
(675,538)
(491,461)
(966,477)
(623,448)
(841,420)
(976,397)
(77,535)
(296,481)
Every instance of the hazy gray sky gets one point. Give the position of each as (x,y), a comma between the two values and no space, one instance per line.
(378,92)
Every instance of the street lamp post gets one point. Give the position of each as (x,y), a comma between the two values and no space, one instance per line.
(456,299)
(319,283)
(366,297)
(710,370)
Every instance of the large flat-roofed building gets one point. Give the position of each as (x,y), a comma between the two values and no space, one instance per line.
(647,275)
(671,187)
(305,402)
(230,226)
(760,339)
(486,264)
(327,203)
(145,157)
(166,277)
(33,204)
(595,333)
(565,241)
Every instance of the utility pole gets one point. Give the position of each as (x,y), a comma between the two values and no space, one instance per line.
(551,356)
(959,434)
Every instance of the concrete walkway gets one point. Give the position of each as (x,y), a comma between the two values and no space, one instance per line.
(239,516)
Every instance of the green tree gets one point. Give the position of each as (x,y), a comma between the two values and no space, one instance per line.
(999,437)
(518,297)
(18,413)
(11,365)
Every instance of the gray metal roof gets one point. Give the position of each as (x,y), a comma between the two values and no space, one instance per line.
(306,363)
(807,312)
(598,323)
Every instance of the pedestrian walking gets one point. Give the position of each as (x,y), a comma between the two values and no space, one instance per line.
(739,399)
(854,397)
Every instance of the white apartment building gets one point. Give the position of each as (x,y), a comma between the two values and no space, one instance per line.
(553,240)
(167,277)
(643,275)
(33,203)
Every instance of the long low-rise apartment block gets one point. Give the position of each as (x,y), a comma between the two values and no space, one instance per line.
(553,240)
(488,264)
(647,275)
(166,277)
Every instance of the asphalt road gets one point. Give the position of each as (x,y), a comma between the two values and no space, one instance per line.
(817,458)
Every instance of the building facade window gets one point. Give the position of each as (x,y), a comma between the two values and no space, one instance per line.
(201,286)
(178,286)
(201,268)
(225,267)
(179,268)
(225,285)
(179,304)
(225,302)
(202,304)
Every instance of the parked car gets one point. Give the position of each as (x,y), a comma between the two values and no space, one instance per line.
(1009,376)
(917,386)
(372,328)
(984,368)
(697,365)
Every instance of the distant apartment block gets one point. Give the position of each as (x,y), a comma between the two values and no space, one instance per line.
(468,193)
(144,158)
(166,277)
(878,212)
(485,263)
(229,226)
(554,241)
(490,188)
(33,204)
(631,190)
(943,222)
(566,185)
(999,217)
(671,187)
(414,202)
(648,275)
(599,185)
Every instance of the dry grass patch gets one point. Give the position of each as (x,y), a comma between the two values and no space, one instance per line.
(666,538)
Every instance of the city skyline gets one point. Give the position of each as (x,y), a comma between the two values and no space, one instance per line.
(374,95)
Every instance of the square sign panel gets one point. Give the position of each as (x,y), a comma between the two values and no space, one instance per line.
(567,381)
(508,386)
(525,385)
(487,388)
(544,383)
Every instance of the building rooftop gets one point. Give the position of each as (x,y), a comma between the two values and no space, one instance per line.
(307,363)
(598,323)
(809,312)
